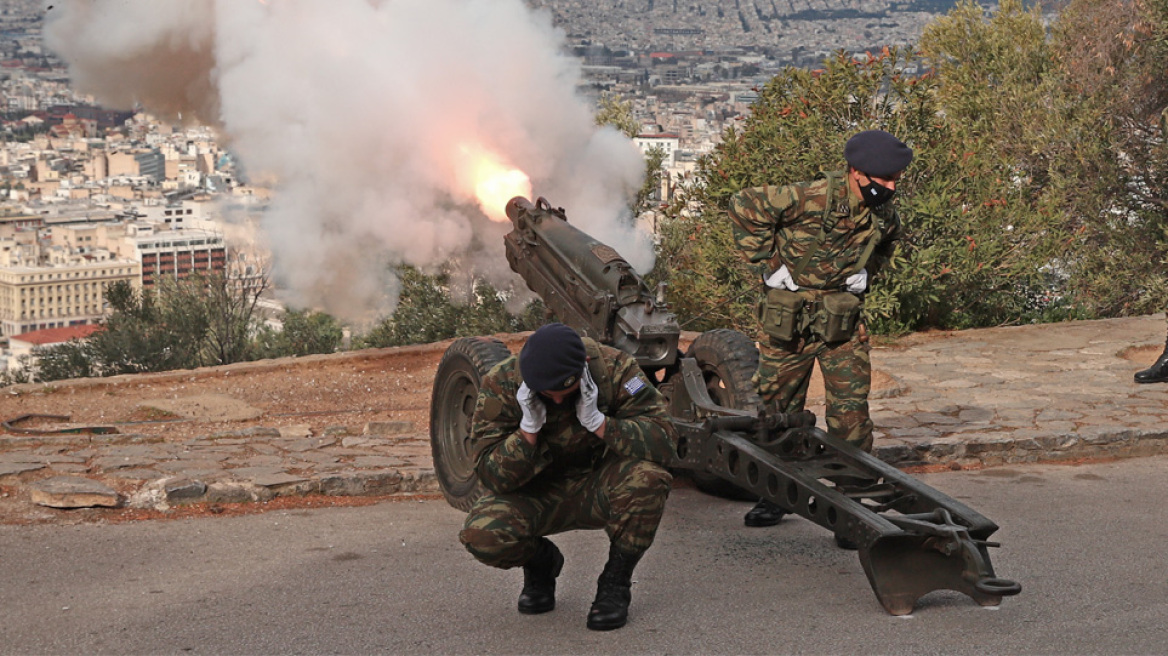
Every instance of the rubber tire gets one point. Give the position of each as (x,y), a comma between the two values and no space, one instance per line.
(728,360)
(452,403)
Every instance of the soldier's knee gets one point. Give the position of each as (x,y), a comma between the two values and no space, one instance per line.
(658,476)
(855,429)
(477,541)
(488,546)
(649,477)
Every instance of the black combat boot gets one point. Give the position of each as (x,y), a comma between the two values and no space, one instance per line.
(764,513)
(1158,372)
(614,591)
(539,579)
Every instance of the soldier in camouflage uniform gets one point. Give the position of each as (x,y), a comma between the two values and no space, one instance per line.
(816,239)
(570,434)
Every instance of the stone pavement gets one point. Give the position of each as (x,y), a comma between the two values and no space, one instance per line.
(1055,392)
(987,397)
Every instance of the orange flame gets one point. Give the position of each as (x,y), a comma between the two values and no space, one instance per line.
(493,182)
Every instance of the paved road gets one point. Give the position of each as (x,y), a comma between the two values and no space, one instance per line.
(1086,543)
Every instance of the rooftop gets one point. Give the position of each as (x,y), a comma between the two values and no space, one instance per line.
(56,335)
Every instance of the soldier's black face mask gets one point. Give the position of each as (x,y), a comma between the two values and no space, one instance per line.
(875,194)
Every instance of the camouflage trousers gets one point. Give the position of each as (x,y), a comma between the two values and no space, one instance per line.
(624,497)
(784,372)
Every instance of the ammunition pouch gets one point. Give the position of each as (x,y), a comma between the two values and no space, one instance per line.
(838,316)
(781,314)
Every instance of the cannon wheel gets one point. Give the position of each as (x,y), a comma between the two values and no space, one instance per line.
(452,403)
(728,360)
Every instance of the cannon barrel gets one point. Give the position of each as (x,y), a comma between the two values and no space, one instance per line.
(587,285)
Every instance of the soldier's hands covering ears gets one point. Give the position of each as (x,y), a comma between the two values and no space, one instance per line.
(534,411)
(586,411)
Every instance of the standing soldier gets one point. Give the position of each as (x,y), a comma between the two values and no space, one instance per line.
(568,435)
(1158,372)
(816,245)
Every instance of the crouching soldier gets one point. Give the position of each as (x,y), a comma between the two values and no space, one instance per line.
(568,435)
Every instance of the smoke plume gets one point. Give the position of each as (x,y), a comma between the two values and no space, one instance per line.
(364,112)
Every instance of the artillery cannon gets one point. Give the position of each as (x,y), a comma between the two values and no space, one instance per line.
(912,539)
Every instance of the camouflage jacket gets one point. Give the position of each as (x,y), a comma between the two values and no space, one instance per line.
(637,426)
(776,225)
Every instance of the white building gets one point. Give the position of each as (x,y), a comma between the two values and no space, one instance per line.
(667,142)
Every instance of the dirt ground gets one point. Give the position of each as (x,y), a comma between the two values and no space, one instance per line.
(318,392)
(313,394)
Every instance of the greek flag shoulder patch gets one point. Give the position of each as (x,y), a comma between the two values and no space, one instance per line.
(634,385)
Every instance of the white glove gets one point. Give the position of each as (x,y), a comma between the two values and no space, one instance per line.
(534,411)
(586,410)
(857,282)
(782,278)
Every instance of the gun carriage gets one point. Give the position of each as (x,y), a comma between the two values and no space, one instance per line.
(912,539)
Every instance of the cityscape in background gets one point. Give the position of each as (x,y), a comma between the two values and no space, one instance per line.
(92,195)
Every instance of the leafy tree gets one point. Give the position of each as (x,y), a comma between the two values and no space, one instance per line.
(1075,114)
(307,333)
(1116,52)
(426,313)
(141,335)
(22,374)
(72,359)
(649,196)
(612,110)
(1008,129)
(205,319)
(222,306)
(304,332)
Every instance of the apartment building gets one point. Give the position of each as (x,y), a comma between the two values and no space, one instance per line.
(56,276)
(67,292)
(20,220)
(121,164)
(667,142)
(151,165)
(193,212)
(162,248)
(177,253)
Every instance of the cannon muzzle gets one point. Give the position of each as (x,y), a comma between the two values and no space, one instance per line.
(519,206)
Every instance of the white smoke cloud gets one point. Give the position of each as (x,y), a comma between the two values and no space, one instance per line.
(362,110)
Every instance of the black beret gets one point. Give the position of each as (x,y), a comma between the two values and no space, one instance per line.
(877,153)
(552,359)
